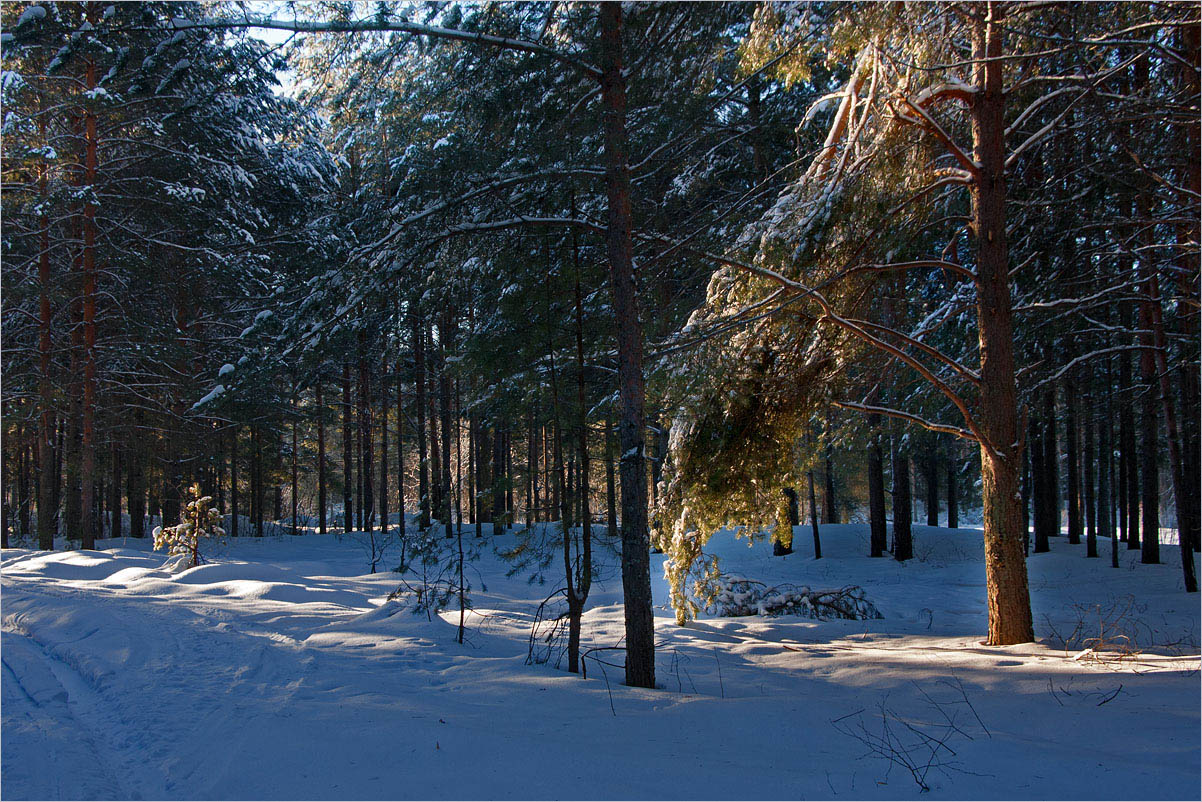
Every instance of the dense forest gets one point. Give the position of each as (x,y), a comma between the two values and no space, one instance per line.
(646,271)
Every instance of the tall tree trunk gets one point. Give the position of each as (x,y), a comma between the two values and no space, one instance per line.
(1008,596)
(384,455)
(173,480)
(366,437)
(1026,491)
(419,384)
(1168,405)
(611,500)
(636,563)
(903,540)
(400,452)
(433,396)
(1051,465)
(1127,491)
(295,489)
(234,482)
(48,489)
(135,482)
(1072,447)
(1091,513)
(473,428)
(582,419)
(446,341)
(1149,470)
(830,510)
(953,501)
(498,479)
(552,483)
(277,490)
(256,472)
(60,428)
(1106,524)
(531,467)
(87,460)
(23,470)
(878,526)
(932,487)
(5,481)
(115,528)
(814,519)
(509,508)
(73,503)
(348,460)
(457,478)
(322,500)
(1039,486)
(1188,234)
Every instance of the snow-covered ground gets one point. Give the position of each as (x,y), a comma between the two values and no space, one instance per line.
(281,671)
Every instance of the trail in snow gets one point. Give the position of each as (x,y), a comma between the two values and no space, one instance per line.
(282,672)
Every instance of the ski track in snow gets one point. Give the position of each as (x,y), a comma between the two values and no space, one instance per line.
(280,671)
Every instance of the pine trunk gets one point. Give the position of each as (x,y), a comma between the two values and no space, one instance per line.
(295,488)
(903,539)
(877,518)
(953,501)
(348,462)
(135,481)
(115,527)
(400,454)
(932,487)
(366,438)
(1072,448)
(1007,593)
(234,482)
(1091,513)
(419,383)
(322,500)
(446,342)
(814,520)
(384,456)
(48,489)
(87,460)
(636,565)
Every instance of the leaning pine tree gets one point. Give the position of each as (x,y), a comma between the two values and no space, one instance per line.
(939,111)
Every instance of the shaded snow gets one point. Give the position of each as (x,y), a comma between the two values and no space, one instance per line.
(279,670)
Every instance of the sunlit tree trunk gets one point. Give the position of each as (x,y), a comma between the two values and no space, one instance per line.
(1008,596)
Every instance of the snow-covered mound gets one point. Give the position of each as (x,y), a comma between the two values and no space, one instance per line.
(281,670)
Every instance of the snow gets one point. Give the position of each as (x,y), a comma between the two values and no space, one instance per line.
(280,670)
(30,14)
(226,370)
(209,396)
